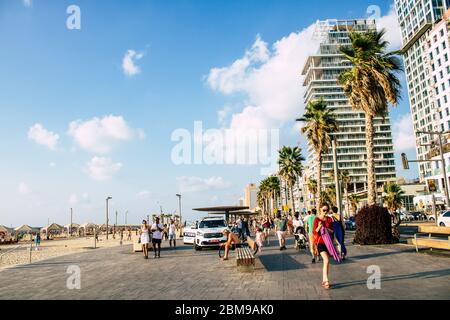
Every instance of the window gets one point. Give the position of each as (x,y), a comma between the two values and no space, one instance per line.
(444,45)
(445,99)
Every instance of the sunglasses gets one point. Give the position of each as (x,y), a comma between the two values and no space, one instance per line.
(324,210)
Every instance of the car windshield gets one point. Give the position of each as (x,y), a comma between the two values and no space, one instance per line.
(212,224)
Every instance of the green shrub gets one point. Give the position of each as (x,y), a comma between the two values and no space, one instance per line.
(373,226)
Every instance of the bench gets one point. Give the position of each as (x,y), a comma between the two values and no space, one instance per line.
(251,243)
(244,257)
(432,242)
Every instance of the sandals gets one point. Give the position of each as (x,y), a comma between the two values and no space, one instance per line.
(326,284)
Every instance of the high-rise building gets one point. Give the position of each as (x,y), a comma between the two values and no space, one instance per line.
(320,73)
(250,196)
(423,61)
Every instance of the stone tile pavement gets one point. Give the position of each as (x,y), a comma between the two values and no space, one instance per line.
(183,274)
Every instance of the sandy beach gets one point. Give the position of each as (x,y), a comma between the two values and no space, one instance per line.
(16,254)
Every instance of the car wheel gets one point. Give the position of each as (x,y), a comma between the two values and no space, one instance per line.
(431,219)
(197,248)
(442,224)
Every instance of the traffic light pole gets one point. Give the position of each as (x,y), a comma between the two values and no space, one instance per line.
(442,160)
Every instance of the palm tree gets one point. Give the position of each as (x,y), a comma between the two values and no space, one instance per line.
(371,84)
(273,188)
(320,122)
(353,202)
(330,191)
(393,201)
(261,201)
(269,189)
(312,187)
(393,198)
(290,167)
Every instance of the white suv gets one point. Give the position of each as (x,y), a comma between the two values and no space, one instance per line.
(444,219)
(209,233)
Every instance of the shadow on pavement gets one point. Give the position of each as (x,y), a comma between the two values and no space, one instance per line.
(279,262)
(418,275)
(378,254)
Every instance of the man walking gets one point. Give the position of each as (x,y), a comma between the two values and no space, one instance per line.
(309,224)
(172,234)
(281,228)
(157,229)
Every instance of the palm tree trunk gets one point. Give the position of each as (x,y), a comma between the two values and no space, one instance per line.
(291,189)
(371,182)
(319,179)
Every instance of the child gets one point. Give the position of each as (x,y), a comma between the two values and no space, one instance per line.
(259,239)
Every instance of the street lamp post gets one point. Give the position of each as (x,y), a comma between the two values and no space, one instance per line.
(107,219)
(336,178)
(179,208)
(71,221)
(126,216)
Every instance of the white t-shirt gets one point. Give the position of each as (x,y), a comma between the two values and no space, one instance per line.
(156,233)
(297,223)
(171,228)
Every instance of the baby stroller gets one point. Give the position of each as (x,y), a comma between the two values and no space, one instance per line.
(301,240)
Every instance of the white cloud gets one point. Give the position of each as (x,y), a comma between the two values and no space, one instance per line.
(75,199)
(52,164)
(24,188)
(270,79)
(234,77)
(102,169)
(403,131)
(144,194)
(42,136)
(195,184)
(390,23)
(129,60)
(27,3)
(101,135)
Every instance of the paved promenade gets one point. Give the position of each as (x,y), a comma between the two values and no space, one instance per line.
(117,273)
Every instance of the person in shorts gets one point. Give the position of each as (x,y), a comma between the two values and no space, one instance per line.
(281,228)
(309,224)
(323,221)
(157,229)
(172,234)
(232,238)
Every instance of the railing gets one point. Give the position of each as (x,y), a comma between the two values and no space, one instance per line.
(18,247)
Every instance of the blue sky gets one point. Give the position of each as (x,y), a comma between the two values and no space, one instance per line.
(53,76)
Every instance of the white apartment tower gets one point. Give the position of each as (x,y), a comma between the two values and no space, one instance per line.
(424,59)
(320,73)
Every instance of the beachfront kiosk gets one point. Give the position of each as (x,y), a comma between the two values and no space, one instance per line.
(228,211)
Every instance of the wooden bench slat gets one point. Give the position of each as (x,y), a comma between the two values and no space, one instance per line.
(244,257)
(434,229)
(432,243)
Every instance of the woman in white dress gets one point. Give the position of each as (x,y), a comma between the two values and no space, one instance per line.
(145,238)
